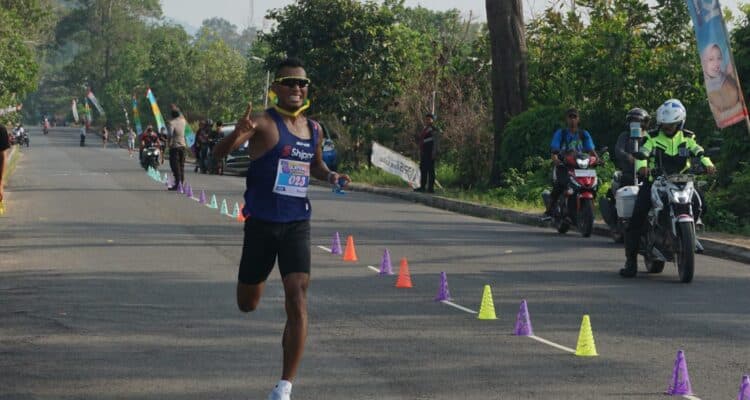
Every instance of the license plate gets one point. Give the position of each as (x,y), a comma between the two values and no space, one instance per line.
(585,173)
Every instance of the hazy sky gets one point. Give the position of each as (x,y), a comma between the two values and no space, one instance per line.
(238,11)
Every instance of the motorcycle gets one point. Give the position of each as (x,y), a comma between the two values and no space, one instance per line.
(150,157)
(23,139)
(617,206)
(575,206)
(670,234)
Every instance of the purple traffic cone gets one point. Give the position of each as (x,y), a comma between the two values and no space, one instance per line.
(170,183)
(443,293)
(336,246)
(180,188)
(202,198)
(386,268)
(744,393)
(680,383)
(523,321)
(189,190)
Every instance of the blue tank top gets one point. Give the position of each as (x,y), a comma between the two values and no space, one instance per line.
(277,182)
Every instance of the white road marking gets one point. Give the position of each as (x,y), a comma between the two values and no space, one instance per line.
(553,344)
(373,268)
(462,308)
(691,397)
(324,248)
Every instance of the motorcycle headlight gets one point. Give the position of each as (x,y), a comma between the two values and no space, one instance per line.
(582,162)
(156,151)
(681,196)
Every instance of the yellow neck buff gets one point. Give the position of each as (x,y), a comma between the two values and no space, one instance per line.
(275,101)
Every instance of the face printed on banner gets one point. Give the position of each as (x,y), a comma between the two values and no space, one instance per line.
(712,60)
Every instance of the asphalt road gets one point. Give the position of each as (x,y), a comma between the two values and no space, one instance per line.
(113,288)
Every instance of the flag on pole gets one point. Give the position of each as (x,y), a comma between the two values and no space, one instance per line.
(189,136)
(136,117)
(155,108)
(74,108)
(94,101)
(719,73)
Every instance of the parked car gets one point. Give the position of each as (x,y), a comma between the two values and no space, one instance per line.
(238,160)
(330,157)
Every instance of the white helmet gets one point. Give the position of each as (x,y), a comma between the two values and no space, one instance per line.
(671,112)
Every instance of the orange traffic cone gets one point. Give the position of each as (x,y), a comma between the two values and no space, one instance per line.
(404,279)
(349,253)
(241,214)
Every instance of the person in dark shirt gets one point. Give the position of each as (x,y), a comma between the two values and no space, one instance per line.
(4,146)
(428,147)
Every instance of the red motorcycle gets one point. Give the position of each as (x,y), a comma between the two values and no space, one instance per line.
(575,206)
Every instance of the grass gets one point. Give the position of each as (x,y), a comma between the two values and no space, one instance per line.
(11,166)
(448,178)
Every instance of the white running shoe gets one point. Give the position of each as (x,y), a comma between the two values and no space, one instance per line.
(281,392)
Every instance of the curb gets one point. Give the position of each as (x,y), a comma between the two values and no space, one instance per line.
(712,247)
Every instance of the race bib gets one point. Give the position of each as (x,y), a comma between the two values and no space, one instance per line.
(292,178)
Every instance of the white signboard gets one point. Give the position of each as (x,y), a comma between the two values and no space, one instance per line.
(396,164)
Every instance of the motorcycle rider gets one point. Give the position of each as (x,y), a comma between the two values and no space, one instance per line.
(149,138)
(565,140)
(672,146)
(625,161)
(19,133)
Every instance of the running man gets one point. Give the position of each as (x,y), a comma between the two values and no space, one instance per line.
(286,149)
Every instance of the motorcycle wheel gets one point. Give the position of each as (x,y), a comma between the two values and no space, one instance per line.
(585,218)
(686,251)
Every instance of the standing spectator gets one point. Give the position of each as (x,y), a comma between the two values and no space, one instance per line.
(131,142)
(83,135)
(428,146)
(177,146)
(215,166)
(4,146)
(118,135)
(201,145)
(105,136)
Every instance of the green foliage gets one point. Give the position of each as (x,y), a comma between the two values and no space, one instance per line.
(24,30)
(529,134)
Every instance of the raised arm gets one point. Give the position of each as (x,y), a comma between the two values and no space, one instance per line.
(243,131)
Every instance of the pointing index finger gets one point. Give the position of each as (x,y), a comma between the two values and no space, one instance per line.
(249,110)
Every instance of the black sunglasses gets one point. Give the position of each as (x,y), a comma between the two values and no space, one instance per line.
(291,82)
(572,116)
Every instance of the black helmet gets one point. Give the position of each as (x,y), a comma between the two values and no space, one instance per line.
(638,115)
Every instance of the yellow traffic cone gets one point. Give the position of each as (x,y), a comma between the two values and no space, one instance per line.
(487,309)
(586,346)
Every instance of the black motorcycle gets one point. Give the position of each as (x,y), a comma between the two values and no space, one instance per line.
(150,157)
(23,138)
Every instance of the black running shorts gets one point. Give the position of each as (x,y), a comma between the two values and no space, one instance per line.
(264,241)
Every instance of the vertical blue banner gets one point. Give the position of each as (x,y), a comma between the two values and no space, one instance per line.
(719,74)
